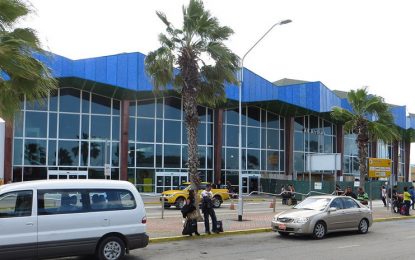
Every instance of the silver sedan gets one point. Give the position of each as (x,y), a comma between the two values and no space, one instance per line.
(319,215)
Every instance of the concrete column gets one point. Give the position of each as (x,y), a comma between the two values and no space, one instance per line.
(407,159)
(289,144)
(395,159)
(217,147)
(124,140)
(340,146)
(2,151)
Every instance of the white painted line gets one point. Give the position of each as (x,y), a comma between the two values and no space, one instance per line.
(349,246)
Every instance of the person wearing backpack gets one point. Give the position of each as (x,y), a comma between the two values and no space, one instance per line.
(207,209)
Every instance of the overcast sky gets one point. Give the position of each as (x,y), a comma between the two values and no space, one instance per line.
(344,44)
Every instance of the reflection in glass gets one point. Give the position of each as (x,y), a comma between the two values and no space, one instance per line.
(201,134)
(159,155)
(100,105)
(35,152)
(253,137)
(272,160)
(85,127)
(85,102)
(232,135)
(41,105)
(172,131)
(298,141)
(131,129)
(253,159)
(159,131)
(144,155)
(116,107)
(36,123)
(299,162)
(145,130)
(66,153)
(173,108)
(115,154)
(52,152)
(34,173)
(18,124)
(69,100)
(254,116)
(53,124)
(115,128)
(273,139)
(100,127)
(172,156)
(131,154)
(232,116)
(231,158)
(132,108)
(53,101)
(145,108)
(17,151)
(273,121)
(98,154)
(68,126)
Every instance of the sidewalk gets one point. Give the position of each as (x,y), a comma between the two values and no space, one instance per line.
(172,226)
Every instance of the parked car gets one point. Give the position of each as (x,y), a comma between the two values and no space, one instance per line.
(319,215)
(56,218)
(177,198)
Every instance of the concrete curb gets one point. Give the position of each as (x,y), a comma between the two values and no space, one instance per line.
(249,231)
(226,233)
(246,200)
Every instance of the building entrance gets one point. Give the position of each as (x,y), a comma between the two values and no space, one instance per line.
(170,180)
(54,175)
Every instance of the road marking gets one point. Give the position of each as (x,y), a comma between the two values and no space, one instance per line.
(349,246)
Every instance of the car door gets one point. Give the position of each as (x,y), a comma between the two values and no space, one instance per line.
(352,213)
(66,227)
(335,219)
(18,225)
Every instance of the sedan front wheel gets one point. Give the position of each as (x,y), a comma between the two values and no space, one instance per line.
(363,226)
(319,230)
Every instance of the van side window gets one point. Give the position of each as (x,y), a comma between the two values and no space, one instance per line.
(109,199)
(16,204)
(59,202)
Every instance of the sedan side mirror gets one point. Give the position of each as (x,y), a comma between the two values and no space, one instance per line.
(332,209)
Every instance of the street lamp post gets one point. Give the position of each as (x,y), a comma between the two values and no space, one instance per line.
(240,202)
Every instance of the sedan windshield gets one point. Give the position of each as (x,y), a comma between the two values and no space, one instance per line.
(313,203)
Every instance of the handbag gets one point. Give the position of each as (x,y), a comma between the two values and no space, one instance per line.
(189,227)
(219,226)
(192,215)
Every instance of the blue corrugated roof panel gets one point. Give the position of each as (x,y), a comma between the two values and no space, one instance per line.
(399,115)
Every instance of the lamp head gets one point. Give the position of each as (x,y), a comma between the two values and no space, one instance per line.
(285,21)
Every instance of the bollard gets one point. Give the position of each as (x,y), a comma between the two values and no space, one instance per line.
(232,206)
(274,202)
(162,207)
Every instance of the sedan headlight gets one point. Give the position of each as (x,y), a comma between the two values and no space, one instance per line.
(275,218)
(301,220)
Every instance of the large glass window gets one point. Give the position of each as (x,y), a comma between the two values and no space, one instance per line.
(36,124)
(101,127)
(69,100)
(100,105)
(68,126)
(35,152)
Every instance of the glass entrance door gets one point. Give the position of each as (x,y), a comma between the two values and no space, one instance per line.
(170,180)
(250,183)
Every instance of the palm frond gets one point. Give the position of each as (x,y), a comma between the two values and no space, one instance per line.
(11,11)
(384,132)
(159,66)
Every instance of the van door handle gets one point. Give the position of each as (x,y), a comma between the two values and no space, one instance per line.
(29,224)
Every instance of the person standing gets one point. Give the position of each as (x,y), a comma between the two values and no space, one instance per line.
(207,209)
(350,193)
(412,193)
(406,200)
(383,194)
(191,216)
(362,196)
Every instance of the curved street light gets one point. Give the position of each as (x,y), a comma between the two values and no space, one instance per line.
(240,201)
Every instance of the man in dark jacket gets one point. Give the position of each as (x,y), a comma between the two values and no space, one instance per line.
(350,193)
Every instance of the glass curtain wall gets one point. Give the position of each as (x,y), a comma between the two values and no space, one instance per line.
(72,130)
(158,141)
(262,143)
(312,134)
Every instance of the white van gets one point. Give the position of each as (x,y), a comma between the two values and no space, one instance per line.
(54,218)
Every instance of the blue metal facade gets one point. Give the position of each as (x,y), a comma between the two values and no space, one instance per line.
(127,71)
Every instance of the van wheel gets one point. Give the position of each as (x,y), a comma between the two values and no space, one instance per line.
(179,203)
(111,248)
(216,202)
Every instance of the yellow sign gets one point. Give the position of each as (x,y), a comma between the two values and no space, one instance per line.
(379,168)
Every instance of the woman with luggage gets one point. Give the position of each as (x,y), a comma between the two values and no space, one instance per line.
(190,212)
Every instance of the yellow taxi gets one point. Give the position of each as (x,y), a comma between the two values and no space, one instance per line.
(177,198)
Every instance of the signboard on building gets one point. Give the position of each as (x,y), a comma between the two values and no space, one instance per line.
(318,185)
(379,168)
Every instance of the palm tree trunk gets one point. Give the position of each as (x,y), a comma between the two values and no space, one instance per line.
(189,69)
(362,140)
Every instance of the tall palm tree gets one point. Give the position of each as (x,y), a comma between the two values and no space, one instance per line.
(370,119)
(204,65)
(21,74)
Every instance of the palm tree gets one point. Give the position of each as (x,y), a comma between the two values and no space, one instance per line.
(370,119)
(204,65)
(21,74)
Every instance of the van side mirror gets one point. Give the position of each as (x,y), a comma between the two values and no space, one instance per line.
(332,209)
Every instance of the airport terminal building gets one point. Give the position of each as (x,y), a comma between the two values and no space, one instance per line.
(106,122)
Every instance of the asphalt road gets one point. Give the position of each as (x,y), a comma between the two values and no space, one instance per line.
(385,240)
